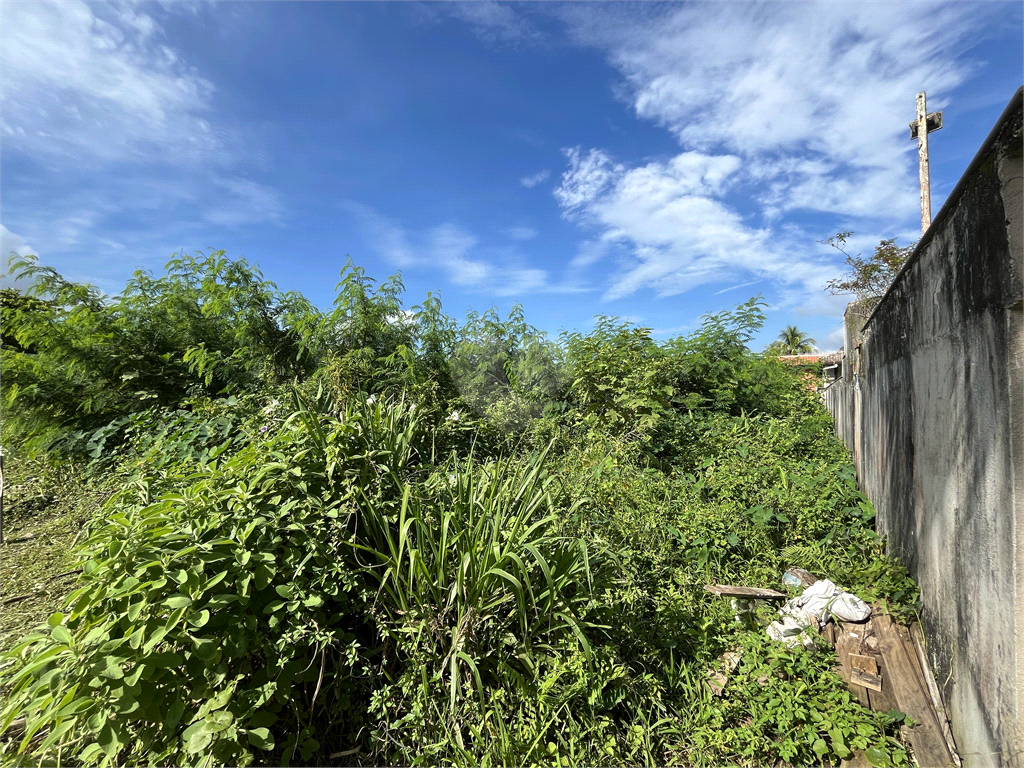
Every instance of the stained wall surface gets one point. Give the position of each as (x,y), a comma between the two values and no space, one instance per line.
(931,407)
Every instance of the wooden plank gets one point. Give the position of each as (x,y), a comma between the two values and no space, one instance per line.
(906,681)
(829,633)
(866,663)
(917,636)
(750,593)
(865,679)
(846,644)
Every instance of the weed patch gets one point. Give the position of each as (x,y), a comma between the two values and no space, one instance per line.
(385,537)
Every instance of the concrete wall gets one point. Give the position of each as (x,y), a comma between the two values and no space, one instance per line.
(931,406)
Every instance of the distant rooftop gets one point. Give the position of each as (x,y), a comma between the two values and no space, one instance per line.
(832,357)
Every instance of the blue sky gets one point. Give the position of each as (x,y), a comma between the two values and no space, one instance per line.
(650,161)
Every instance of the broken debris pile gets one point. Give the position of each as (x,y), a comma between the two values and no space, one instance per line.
(883,663)
(819,603)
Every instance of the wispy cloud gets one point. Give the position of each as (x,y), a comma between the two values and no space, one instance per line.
(120,127)
(12,244)
(679,234)
(790,107)
(98,83)
(521,233)
(537,178)
(737,287)
(496,23)
(454,251)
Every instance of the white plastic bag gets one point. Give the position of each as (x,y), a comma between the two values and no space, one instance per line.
(792,628)
(824,599)
(814,607)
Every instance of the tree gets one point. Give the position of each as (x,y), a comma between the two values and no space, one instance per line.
(793,341)
(870,277)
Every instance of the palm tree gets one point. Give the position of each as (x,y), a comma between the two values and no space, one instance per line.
(793,341)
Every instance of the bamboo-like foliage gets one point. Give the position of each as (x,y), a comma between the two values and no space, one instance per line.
(475,565)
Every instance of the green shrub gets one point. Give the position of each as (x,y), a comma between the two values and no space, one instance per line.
(79,361)
(384,535)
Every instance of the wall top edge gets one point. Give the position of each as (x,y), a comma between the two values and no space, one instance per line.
(982,154)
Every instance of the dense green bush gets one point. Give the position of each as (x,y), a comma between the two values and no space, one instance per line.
(384,537)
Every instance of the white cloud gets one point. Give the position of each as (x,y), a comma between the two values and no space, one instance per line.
(532,181)
(12,244)
(680,236)
(587,177)
(521,233)
(98,83)
(834,340)
(780,108)
(453,250)
(494,22)
(243,202)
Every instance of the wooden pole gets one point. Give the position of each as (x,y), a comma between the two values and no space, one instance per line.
(919,129)
(922,161)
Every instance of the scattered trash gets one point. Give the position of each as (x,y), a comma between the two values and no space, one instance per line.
(824,600)
(820,602)
(797,577)
(792,630)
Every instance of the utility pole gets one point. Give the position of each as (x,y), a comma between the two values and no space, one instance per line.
(919,129)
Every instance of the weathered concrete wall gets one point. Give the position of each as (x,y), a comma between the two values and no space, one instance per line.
(932,412)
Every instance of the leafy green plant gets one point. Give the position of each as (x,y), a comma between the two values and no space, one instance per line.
(389,536)
(473,587)
(79,360)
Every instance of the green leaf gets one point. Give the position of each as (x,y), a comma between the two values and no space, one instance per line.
(89,754)
(838,744)
(134,610)
(178,601)
(108,740)
(61,634)
(819,747)
(261,719)
(284,590)
(261,738)
(165,660)
(198,741)
(878,757)
(205,649)
(218,721)
(174,713)
(97,721)
(262,576)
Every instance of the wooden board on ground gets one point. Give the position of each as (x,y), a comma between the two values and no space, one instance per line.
(917,636)
(906,680)
(866,663)
(866,679)
(748,593)
(883,668)
(719,678)
(848,642)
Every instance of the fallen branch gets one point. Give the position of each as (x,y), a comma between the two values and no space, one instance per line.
(19,598)
(22,539)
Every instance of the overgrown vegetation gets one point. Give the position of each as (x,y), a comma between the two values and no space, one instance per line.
(869,278)
(377,536)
